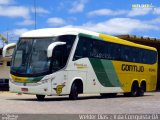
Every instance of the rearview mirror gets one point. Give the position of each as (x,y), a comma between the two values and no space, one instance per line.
(52,46)
(8,50)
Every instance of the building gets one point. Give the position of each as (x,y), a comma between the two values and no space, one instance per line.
(5,62)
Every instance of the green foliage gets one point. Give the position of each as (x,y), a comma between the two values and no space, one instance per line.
(3,39)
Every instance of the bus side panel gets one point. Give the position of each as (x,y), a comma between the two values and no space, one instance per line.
(151,86)
(128,72)
(82,69)
(106,75)
(59,82)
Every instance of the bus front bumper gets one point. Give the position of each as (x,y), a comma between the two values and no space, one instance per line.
(28,88)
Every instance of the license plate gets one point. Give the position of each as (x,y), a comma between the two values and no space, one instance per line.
(24,89)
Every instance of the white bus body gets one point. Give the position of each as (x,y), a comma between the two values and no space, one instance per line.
(38,52)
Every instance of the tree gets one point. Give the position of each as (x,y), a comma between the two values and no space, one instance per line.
(4,40)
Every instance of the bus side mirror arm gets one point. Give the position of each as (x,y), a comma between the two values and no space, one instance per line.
(52,46)
(8,47)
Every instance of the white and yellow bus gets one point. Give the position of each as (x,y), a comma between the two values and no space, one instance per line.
(70,61)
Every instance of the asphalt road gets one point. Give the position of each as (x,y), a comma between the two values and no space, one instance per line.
(87,104)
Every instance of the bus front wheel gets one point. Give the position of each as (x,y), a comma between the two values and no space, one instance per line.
(74,92)
(40,97)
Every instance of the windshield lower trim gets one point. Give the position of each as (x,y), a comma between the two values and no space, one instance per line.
(29,75)
(26,79)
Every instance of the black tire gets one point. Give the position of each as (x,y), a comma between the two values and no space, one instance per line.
(108,94)
(134,91)
(141,90)
(74,92)
(40,97)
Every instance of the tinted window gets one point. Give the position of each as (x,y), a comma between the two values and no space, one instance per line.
(61,53)
(69,39)
(93,48)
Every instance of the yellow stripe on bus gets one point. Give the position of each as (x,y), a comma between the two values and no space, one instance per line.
(19,79)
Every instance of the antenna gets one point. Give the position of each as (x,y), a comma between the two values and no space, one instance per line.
(35,15)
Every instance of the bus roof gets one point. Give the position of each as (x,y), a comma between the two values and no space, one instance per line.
(50,32)
(124,42)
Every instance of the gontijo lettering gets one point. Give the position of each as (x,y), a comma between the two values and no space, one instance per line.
(133,68)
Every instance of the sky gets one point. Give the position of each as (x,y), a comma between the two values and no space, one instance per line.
(112,17)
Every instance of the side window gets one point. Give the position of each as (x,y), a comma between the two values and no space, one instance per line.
(97,50)
(84,48)
(151,57)
(110,51)
(125,53)
(135,55)
(69,39)
(116,51)
(92,48)
(79,50)
(143,56)
(146,56)
(59,57)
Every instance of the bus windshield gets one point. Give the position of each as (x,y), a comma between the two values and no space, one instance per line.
(30,57)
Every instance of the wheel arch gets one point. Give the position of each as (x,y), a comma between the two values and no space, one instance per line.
(80,82)
(134,81)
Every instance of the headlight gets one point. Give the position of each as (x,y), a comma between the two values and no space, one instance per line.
(45,80)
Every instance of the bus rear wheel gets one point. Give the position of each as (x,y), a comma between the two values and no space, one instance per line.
(142,89)
(40,97)
(134,90)
(74,92)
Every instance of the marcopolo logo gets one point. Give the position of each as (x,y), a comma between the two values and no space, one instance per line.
(132,68)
